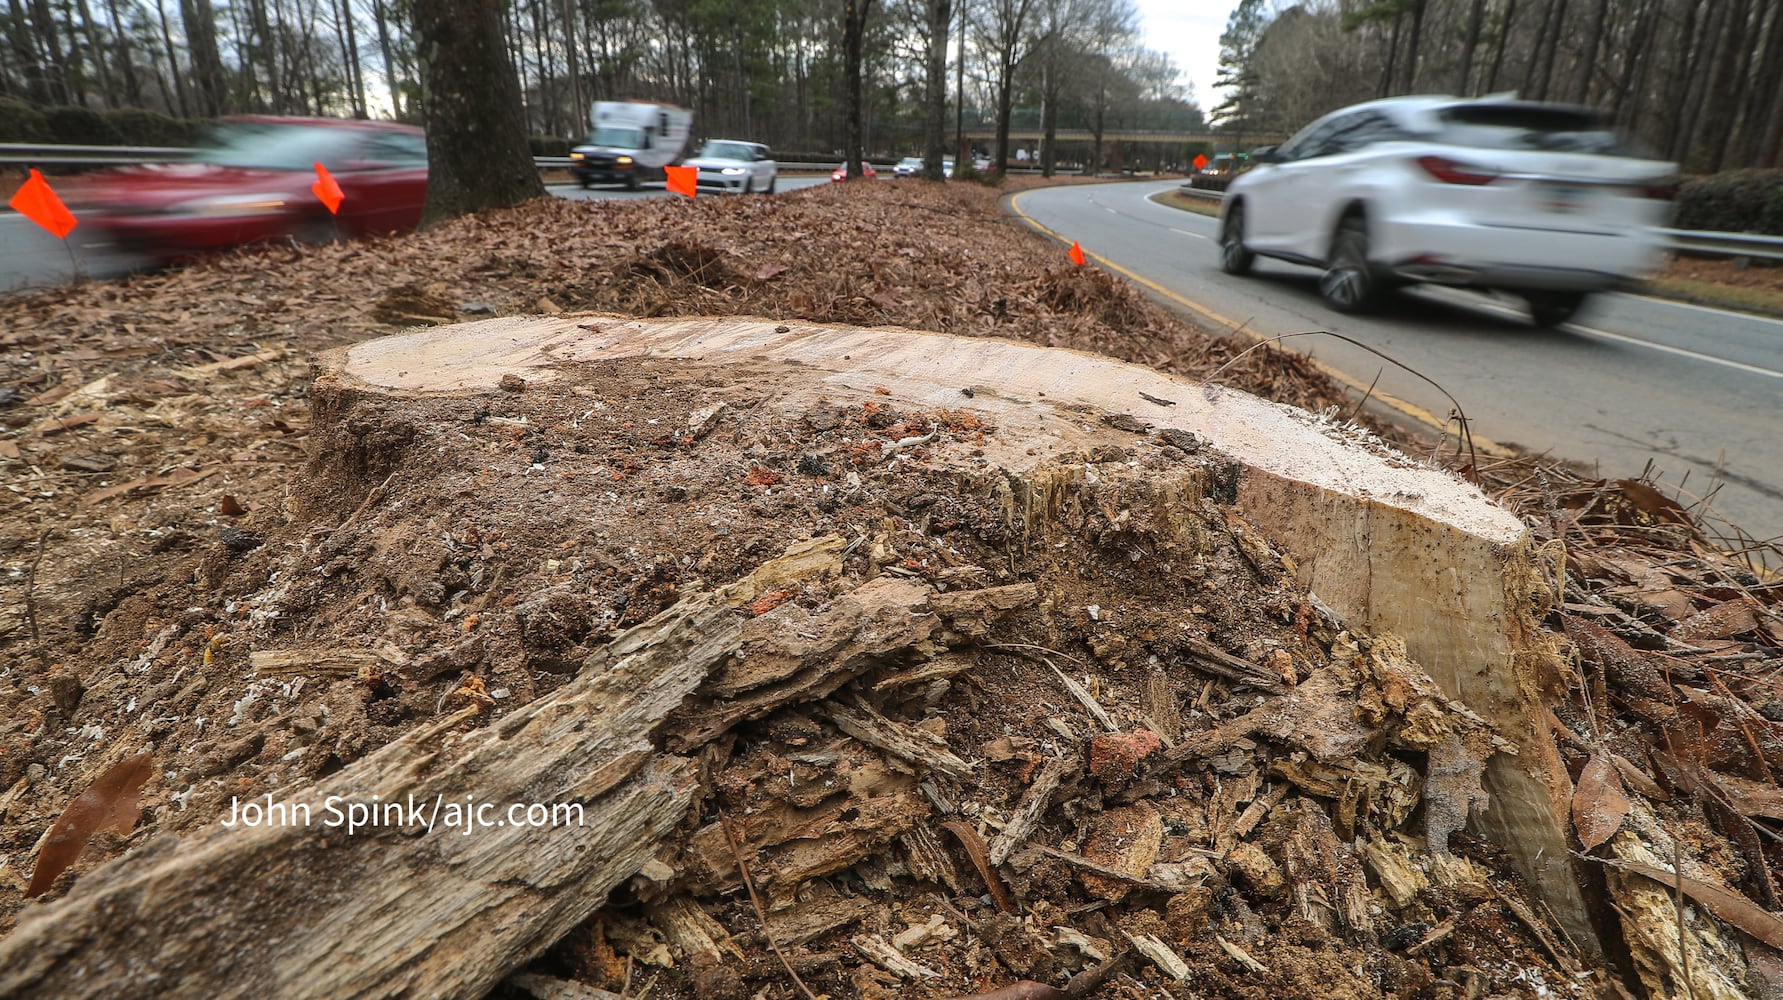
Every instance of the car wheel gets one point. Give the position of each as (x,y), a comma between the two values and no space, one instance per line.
(1348,283)
(585,182)
(771,181)
(1553,308)
(631,181)
(1235,257)
(749,185)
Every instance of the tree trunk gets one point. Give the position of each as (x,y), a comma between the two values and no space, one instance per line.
(1411,55)
(1469,43)
(1731,64)
(470,103)
(854,30)
(382,20)
(207,63)
(1588,61)
(173,62)
(578,106)
(96,54)
(55,64)
(1556,23)
(934,133)
(1392,60)
(1049,111)
(25,52)
(355,67)
(1504,34)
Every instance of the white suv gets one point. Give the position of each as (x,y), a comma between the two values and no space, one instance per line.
(1544,201)
(734,166)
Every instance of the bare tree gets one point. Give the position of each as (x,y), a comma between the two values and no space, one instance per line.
(854,30)
(934,132)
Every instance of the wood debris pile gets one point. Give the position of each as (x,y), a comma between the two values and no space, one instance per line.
(945,735)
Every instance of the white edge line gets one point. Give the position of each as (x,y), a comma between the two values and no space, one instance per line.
(1624,338)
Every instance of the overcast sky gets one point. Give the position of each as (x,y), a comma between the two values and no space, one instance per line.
(1189,30)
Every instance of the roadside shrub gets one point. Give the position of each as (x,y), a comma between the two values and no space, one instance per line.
(20,122)
(1736,201)
(81,126)
(142,127)
(548,145)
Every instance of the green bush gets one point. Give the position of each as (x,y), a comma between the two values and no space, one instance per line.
(81,126)
(1736,201)
(548,145)
(20,122)
(141,127)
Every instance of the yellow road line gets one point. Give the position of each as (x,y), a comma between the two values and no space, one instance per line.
(1404,408)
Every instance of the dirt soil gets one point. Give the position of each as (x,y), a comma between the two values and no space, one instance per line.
(168,514)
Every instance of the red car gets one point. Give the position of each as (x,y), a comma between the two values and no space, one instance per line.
(841,172)
(251,182)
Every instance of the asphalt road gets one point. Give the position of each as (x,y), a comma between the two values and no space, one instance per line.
(31,257)
(1697,392)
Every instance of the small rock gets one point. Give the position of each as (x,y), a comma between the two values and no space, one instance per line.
(66,691)
(1114,757)
(1125,422)
(548,307)
(241,539)
(475,308)
(512,382)
(1178,438)
(813,465)
(1404,936)
(825,418)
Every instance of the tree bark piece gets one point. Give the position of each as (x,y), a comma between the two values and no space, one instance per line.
(402,909)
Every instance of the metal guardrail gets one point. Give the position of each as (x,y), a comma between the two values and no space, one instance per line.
(59,153)
(1699,241)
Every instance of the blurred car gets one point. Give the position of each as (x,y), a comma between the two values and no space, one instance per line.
(911,166)
(734,166)
(841,172)
(1544,201)
(249,182)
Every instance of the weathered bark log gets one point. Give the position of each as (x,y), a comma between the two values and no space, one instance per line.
(315,910)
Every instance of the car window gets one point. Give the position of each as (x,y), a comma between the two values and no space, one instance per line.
(398,149)
(1305,144)
(268,146)
(728,151)
(1361,130)
(1531,127)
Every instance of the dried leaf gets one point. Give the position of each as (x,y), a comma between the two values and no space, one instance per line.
(228,506)
(980,855)
(1599,804)
(768,271)
(1723,903)
(109,802)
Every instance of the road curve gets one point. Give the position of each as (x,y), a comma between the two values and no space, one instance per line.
(1697,392)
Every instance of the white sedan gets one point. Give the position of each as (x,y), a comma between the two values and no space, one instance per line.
(734,166)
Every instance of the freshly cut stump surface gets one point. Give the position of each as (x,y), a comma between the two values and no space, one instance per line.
(1384,541)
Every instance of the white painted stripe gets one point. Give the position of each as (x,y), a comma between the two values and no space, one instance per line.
(1637,341)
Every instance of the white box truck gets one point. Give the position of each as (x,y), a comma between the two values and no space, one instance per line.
(632,141)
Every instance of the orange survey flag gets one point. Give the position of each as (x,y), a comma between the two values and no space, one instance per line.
(37,201)
(327,190)
(682,180)
(1076,254)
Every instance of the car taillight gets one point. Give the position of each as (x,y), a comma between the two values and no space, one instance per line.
(1659,192)
(1451,172)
